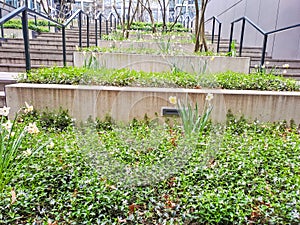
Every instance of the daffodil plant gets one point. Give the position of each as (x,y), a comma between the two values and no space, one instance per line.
(11,137)
(192,121)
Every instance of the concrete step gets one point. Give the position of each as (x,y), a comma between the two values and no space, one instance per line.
(276,62)
(21,67)
(57,46)
(7,78)
(34,61)
(45,40)
(43,53)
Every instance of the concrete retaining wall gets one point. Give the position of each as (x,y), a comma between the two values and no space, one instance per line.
(16,33)
(160,63)
(154,45)
(126,103)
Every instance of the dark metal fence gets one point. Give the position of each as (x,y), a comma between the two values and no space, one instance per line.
(214,20)
(264,33)
(24,11)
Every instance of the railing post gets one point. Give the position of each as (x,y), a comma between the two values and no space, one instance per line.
(106,27)
(115,23)
(26,39)
(96,32)
(87,31)
(213,30)
(242,37)
(100,26)
(262,61)
(219,37)
(2,29)
(110,18)
(49,26)
(63,29)
(35,20)
(79,26)
(231,36)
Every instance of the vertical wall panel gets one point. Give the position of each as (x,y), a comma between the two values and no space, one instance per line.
(268,15)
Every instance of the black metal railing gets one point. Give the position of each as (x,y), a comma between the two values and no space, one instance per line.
(186,22)
(264,33)
(99,18)
(24,10)
(214,20)
(111,22)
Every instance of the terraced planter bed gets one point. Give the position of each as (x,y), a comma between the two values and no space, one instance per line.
(126,103)
(17,33)
(151,45)
(159,63)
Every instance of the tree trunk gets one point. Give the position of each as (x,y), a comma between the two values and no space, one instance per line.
(147,7)
(196,49)
(200,27)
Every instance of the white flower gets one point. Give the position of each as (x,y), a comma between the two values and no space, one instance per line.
(263,66)
(50,145)
(284,71)
(267,63)
(4,111)
(173,100)
(256,66)
(7,125)
(209,97)
(285,65)
(28,152)
(29,108)
(32,128)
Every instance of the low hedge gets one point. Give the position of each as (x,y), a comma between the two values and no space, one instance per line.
(178,79)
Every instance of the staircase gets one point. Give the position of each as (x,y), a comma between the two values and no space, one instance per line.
(288,68)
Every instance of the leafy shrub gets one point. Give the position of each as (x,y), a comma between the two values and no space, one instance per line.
(42,25)
(255,81)
(176,78)
(50,120)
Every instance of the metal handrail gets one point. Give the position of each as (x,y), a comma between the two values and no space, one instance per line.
(214,19)
(99,17)
(11,15)
(264,33)
(110,15)
(24,10)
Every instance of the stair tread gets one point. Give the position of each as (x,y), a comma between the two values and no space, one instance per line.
(8,76)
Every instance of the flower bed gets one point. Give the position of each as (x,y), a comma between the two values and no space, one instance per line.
(235,174)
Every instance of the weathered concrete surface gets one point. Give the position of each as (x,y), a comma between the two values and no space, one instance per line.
(126,103)
(154,45)
(160,63)
(16,33)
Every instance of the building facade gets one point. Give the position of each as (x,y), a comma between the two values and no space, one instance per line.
(269,15)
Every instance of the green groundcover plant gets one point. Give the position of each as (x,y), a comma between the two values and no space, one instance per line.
(144,26)
(252,177)
(40,26)
(175,78)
